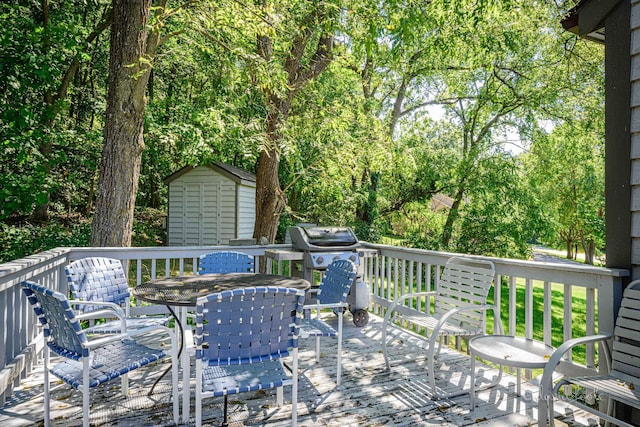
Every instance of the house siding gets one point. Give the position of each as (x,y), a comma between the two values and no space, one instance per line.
(635,136)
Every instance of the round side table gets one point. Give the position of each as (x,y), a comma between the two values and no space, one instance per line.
(510,351)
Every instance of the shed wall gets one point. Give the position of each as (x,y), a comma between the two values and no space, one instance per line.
(246,211)
(202,209)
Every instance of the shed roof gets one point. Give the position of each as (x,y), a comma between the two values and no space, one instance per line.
(238,175)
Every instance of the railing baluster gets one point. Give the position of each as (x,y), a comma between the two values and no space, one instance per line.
(512,305)
(528,323)
(591,326)
(547,318)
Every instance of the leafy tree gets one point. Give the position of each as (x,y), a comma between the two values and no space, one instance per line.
(567,170)
(43,46)
(129,69)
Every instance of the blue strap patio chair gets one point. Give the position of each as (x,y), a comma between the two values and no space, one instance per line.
(241,337)
(100,282)
(90,363)
(331,294)
(226,262)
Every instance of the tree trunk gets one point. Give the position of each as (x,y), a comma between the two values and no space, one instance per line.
(589,248)
(270,198)
(123,131)
(447,231)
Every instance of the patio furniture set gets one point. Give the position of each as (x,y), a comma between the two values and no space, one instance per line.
(247,324)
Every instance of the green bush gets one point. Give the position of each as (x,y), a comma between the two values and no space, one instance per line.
(20,240)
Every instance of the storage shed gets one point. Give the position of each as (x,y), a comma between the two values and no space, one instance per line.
(210,205)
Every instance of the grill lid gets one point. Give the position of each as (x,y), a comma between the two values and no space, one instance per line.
(323,238)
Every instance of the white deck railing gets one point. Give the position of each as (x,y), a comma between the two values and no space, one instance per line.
(393,272)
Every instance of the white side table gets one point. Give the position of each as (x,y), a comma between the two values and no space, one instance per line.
(503,350)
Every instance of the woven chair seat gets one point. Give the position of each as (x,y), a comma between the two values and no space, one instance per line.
(224,380)
(108,362)
(114,327)
(606,385)
(312,327)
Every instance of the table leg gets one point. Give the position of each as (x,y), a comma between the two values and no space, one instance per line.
(472,390)
(518,382)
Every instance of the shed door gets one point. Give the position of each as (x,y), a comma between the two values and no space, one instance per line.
(192,211)
(202,214)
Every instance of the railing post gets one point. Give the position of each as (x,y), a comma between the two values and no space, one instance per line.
(609,299)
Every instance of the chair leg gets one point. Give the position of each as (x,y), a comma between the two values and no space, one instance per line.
(47,403)
(431,355)
(384,347)
(543,412)
(225,412)
(294,389)
(124,385)
(339,368)
(198,392)
(85,391)
(174,383)
(280,396)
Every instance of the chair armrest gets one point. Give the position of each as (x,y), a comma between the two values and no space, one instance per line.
(401,298)
(471,307)
(97,314)
(546,383)
(108,305)
(110,310)
(130,334)
(321,306)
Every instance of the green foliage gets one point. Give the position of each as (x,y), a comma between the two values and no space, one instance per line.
(44,155)
(23,239)
(20,240)
(149,228)
(499,219)
(359,146)
(419,225)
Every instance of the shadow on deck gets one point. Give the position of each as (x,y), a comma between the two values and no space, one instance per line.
(369,395)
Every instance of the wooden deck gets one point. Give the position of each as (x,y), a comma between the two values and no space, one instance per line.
(369,395)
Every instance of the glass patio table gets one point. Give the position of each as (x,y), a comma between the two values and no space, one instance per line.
(181,293)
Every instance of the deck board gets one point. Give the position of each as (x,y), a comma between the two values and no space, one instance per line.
(369,396)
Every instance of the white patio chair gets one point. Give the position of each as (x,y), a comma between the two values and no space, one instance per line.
(620,379)
(90,363)
(459,310)
(241,337)
(100,282)
(332,293)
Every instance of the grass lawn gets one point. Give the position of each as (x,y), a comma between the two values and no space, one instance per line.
(578,313)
